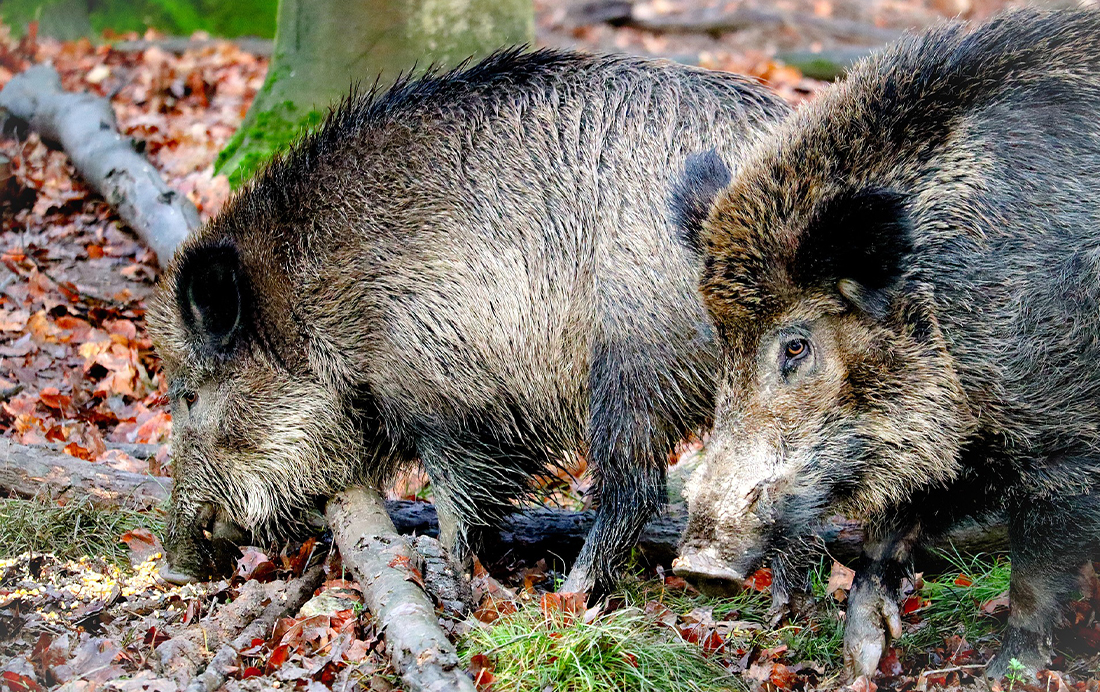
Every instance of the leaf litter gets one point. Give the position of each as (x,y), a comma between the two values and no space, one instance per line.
(77,370)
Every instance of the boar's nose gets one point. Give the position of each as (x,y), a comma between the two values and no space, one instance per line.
(188,546)
(707,572)
(173,576)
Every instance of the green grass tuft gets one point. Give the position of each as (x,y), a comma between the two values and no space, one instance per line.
(956,608)
(621,650)
(75,530)
(815,636)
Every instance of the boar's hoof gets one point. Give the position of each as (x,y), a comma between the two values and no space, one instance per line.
(871,614)
(1023,654)
(708,574)
(175,577)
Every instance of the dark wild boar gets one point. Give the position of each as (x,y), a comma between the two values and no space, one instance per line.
(905,285)
(477,269)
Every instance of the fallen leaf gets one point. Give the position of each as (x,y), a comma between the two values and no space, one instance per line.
(840,581)
(254,564)
(760,580)
(142,544)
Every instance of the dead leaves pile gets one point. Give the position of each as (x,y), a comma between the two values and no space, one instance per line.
(76,367)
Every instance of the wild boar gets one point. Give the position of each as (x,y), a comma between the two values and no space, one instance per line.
(478,270)
(905,284)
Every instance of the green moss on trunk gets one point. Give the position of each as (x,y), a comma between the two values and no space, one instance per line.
(324,47)
(265,135)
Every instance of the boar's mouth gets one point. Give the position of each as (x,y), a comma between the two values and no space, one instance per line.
(201,546)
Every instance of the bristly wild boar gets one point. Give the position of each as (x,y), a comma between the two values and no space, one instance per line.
(477,269)
(905,285)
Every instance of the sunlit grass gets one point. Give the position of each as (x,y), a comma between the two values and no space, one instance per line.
(531,651)
(956,599)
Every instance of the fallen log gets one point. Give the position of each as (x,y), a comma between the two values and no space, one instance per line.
(84,126)
(383,564)
(717,21)
(260,47)
(40,472)
(535,532)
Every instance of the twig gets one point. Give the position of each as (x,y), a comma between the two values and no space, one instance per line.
(922,679)
(11,391)
(296,593)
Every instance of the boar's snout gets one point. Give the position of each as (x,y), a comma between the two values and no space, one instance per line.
(200,545)
(709,573)
(173,576)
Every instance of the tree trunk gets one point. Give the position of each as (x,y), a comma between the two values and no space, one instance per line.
(323,47)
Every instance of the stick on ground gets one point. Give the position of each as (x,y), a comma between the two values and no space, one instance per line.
(296,593)
(720,21)
(84,126)
(383,562)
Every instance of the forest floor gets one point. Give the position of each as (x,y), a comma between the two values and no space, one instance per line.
(80,607)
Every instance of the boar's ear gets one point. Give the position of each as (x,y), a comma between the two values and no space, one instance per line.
(857,243)
(212,296)
(705,175)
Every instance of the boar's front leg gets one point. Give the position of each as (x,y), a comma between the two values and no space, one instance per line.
(474,484)
(1051,539)
(628,450)
(873,600)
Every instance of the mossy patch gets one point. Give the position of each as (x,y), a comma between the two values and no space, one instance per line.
(267,134)
(67,19)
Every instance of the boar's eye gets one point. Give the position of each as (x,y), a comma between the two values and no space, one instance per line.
(797,348)
(190,398)
(794,352)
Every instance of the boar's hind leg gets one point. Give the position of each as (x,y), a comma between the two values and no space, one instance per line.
(1051,539)
(474,481)
(629,443)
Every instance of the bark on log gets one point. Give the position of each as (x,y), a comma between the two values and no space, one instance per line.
(382,562)
(296,593)
(535,532)
(30,472)
(84,126)
(261,47)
